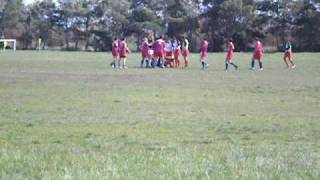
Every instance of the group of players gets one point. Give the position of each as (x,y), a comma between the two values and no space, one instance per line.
(165,53)
(159,53)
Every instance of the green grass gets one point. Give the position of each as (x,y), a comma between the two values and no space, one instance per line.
(68,115)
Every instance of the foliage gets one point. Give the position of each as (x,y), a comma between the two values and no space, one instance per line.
(85,24)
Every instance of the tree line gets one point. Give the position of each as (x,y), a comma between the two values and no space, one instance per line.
(92,24)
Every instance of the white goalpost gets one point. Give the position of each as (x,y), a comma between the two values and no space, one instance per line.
(6,41)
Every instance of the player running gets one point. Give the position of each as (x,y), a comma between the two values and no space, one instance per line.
(145,52)
(123,49)
(230,55)
(115,53)
(204,54)
(177,52)
(185,52)
(257,55)
(288,55)
(158,47)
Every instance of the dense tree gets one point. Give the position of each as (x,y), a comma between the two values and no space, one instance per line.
(92,24)
(2,5)
(229,19)
(307,26)
(42,18)
(11,18)
(181,19)
(112,20)
(277,18)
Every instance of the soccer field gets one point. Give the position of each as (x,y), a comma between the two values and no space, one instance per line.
(68,115)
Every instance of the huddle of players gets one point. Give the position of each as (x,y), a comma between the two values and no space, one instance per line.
(159,53)
(166,53)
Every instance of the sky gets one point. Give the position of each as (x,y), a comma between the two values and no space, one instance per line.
(28,1)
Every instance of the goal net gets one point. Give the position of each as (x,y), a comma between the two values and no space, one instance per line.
(8,43)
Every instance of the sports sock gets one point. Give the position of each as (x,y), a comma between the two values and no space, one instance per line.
(227,66)
(260,65)
(252,64)
(203,64)
(161,62)
(235,66)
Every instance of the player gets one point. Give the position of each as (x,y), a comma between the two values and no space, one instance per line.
(150,61)
(115,53)
(257,55)
(230,55)
(123,49)
(288,55)
(145,52)
(39,43)
(177,52)
(185,52)
(169,51)
(5,44)
(158,47)
(204,54)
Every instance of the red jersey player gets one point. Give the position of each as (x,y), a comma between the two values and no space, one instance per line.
(230,55)
(257,54)
(288,55)
(115,53)
(204,54)
(123,49)
(185,52)
(177,52)
(158,47)
(144,51)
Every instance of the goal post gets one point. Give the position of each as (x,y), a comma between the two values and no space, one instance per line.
(6,41)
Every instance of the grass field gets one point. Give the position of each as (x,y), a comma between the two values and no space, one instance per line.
(68,115)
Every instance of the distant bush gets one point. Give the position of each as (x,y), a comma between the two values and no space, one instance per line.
(71,49)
